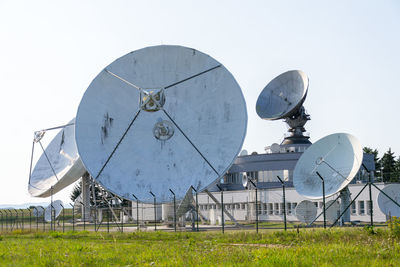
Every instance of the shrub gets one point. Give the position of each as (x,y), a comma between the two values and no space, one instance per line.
(370,229)
(394,227)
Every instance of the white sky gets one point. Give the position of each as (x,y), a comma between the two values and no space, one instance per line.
(51,50)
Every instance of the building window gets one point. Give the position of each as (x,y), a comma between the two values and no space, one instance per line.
(294,205)
(282,208)
(321,205)
(353,208)
(243,206)
(276,208)
(270,208)
(265,207)
(316,204)
(288,208)
(361,207)
(368,207)
(259,208)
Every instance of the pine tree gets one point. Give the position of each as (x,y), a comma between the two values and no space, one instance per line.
(388,163)
(397,169)
(76,191)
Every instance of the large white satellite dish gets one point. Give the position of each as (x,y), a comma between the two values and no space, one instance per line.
(58,166)
(306,211)
(158,118)
(283,98)
(336,157)
(57,208)
(386,205)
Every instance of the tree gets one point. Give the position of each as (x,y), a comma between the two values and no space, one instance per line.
(388,163)
(76,191)
(377,172)
(397,168)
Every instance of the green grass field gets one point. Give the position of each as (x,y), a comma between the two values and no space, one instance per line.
(312,247)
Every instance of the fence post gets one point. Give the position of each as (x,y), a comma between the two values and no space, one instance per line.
(155,211)
(222,208)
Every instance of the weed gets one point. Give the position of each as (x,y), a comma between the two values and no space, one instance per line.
(370,229)
(56,234)
(394,227)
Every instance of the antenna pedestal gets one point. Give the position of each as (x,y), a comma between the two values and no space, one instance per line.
(344,203)
(86,197)
(296,128)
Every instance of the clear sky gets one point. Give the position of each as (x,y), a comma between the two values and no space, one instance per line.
(51,50)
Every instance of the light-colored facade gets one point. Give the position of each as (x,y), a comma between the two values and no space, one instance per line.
(241,204)
(264,168)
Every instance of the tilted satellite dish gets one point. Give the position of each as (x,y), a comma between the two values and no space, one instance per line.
(275,148)
(244,153)
(186,204)
(57,208)
(336,157)
(38,211)
(58,166)
(306,211)
(333,212)
(158,118)
(245,180)
(387,206)
(283,98)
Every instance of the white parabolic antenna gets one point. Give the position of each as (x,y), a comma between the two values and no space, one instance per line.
(283,96)
(244,152)
(306,211)
(332,213)
(336,157)
(385,204)
(158,118)
(38,211)
(57,207)
(58,166)
(245,180)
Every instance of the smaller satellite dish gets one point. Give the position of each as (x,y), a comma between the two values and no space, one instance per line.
(244,153)
(283,96)
(306,211)
(38,211)
(336,157)
(245,180)
(333,212)
(57,207)
(387,206)
(58,166)
(275,148)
